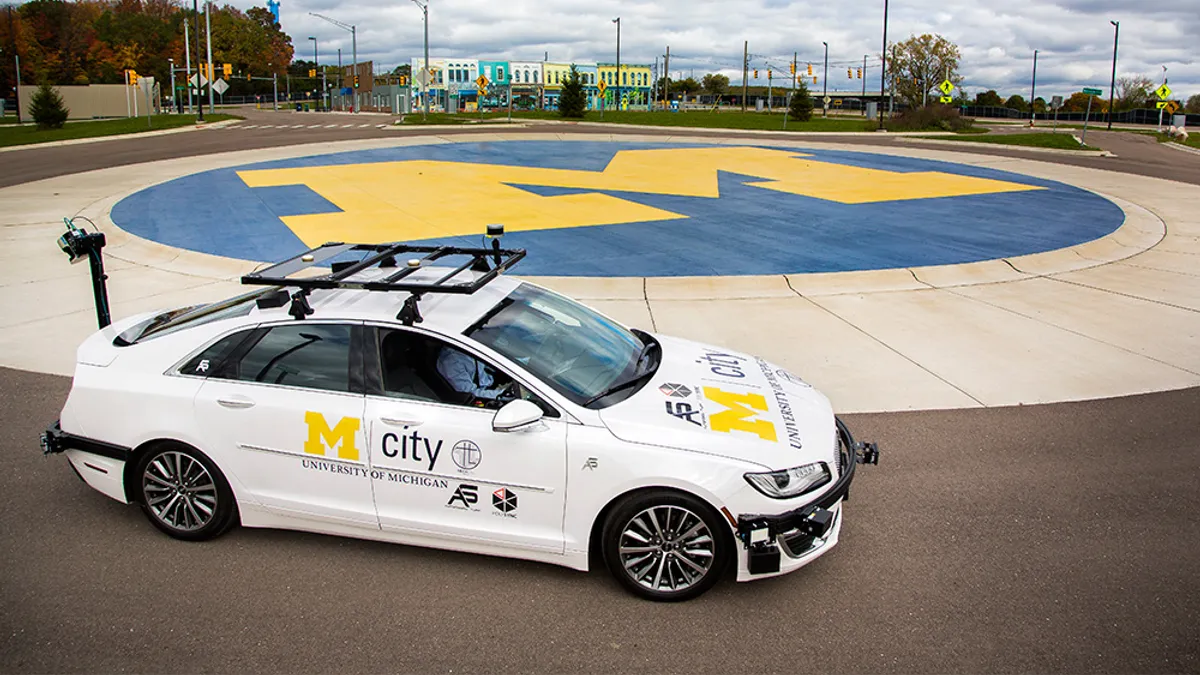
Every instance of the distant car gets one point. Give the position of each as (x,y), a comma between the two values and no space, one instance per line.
(456,408)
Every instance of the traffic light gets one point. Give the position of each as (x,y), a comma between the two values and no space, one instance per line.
(356,81)
(814,79)
(133,78)
(403,80)
(810,71)
(248,78)
(227,68)
(860,73)
(793,67)
(848,75)
(312,72)
(756,73)
(768,73)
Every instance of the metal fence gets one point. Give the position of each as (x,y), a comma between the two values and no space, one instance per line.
(1138,116)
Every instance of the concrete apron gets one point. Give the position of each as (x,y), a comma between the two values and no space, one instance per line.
(1116,316)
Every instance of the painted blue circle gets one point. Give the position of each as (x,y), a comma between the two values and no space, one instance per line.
(746,230)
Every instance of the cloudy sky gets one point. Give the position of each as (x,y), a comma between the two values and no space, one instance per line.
(1074,37)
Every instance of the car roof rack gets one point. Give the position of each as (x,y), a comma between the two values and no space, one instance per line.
(383,256)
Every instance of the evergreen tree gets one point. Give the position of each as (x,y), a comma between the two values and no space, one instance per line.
(801,107)
(47,108)
(572,101)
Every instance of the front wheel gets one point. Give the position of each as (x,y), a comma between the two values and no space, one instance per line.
(184,494)
(666,546)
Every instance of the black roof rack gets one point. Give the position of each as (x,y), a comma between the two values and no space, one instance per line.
(383,256)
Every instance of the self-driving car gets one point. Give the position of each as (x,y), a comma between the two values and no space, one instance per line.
(418,395)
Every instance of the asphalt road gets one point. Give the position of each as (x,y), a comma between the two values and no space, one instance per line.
(1055,538)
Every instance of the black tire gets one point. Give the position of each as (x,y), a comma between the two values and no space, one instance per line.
(198,507)
(691,532)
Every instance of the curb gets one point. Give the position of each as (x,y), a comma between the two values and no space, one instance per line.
(727,130)
(116,137)
(1180,146)
(973,144)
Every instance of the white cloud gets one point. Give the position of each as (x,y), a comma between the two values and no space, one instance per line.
(1074,37)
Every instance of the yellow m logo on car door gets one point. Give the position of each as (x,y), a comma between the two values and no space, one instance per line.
(321,437)
(740,413)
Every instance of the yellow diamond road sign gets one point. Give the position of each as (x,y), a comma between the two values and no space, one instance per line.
(602,86)
(1172,106)
(946,86)
(482,81)
(1164,92)
(946,99)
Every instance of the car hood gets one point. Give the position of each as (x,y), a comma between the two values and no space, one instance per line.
(721,402)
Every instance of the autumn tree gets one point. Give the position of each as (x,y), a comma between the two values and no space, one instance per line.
(1193,104)
(715,83)
(1133,91)
(1078,102)
(919,64)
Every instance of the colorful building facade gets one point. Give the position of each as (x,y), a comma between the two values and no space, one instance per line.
(533,84)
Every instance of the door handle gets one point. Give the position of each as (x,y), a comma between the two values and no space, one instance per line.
(396,422)
(236,402)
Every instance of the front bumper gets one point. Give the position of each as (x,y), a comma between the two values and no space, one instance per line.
(808,531)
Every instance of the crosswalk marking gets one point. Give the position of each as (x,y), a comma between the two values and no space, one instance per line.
(363,126)
(380,126)
(347,126)
(314,126)
(330,126)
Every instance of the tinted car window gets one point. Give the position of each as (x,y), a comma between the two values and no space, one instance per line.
(208,361)
(316,356)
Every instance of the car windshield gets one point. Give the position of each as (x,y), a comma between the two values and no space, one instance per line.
(574,350)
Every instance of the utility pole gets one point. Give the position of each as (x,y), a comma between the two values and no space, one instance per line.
(864,84)
(745,73)
(316,61)
(1033,88)
(883,71)
(199,60)
(208,27)
(275,90)
(16,60)
(667,79)
(341,99)
(617,100)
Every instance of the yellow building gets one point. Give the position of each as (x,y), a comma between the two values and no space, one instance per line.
(556,74)
(634,83)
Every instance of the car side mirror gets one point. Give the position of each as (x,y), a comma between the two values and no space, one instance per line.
(516,415)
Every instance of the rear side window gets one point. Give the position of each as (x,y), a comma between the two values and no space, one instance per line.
(316,356)
(208,362)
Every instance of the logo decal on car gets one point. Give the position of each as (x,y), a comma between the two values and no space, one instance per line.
(740,413)
(676,390)
(505,501)
(322,438)
(466,495)
(411,446)
(466,454)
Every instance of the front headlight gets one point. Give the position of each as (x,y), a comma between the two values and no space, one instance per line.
(791,482)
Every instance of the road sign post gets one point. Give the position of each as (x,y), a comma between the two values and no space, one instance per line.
(1091,93)
(602,87)
(1163,93)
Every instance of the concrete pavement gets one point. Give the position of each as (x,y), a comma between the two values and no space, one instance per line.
(1056,326)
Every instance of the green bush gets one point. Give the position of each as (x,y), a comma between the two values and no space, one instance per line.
(935,117)
(801,107)
(572,102)
(47,109)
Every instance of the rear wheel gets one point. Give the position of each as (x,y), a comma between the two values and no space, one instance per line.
(666,546)
(183,493)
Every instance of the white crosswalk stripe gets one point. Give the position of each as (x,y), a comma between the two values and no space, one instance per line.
(380,126)
(314,126)
(249,126)
(347,126)
(330,126)
(363,126)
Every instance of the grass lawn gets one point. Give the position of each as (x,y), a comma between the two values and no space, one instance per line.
(1035,140)
(24,135)
(695,119)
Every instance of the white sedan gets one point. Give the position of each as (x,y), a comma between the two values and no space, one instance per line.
(453,407)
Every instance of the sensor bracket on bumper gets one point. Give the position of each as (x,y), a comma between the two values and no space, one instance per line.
(758,532)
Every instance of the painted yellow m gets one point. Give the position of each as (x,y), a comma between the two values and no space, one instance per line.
(320,436)
(739,417)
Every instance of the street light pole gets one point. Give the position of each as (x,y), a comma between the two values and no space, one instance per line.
(1033,88)
(354,59)
(864,83)
(425,14)
(617,100)
(883,72)
(174,96)
(1112,87)
(825,83)
(200,101)
(208,27)
(317,65)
